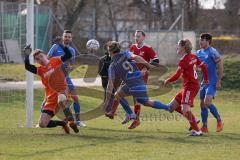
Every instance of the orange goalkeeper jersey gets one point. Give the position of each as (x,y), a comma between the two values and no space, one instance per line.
(53,79)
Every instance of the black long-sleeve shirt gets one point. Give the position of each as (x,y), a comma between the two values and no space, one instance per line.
(103,66)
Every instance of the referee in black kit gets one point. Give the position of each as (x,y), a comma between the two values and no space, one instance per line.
(104,64)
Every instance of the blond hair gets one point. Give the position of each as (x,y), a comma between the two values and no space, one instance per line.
(37,52)
(113,46)
(186,44)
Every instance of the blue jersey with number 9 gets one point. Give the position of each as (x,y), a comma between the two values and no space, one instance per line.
(125,69)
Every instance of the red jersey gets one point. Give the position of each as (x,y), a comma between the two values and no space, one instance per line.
(188,66)
(146,52)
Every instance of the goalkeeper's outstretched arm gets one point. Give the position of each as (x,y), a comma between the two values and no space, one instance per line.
(30,67)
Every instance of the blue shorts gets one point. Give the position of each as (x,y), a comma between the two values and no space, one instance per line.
(70,83)
(134,79)
(134,75)
(207,90)
(139,91)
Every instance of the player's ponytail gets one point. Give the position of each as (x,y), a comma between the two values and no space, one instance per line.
(186,44)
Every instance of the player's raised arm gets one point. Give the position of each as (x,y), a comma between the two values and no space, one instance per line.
(67,55)
(155,62)
(28,66)
(51,51)
(174,77)
(138,59)
(154,59)
(109,90)
(54,49)
(181,51)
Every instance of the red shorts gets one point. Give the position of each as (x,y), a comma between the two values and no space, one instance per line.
(186,96)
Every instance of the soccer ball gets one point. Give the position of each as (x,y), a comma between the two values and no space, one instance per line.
(92,45)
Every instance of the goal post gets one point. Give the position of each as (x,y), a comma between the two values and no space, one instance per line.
(29,75)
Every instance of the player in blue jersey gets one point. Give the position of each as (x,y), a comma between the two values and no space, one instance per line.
(57,50)
(124,68)
(103,72)
(212,59)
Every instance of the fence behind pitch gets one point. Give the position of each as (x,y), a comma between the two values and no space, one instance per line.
(13,30)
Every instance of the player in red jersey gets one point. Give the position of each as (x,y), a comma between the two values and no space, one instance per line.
(187,67)
(142,49)
(149,55)
(56,93)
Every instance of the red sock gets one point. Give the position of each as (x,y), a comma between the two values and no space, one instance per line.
(137,108)
(192,120)
(114,106)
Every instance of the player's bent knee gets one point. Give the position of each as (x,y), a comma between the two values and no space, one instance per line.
(42,124)
(207,103)
(174,104)
(202,104)
(208,100)
(62,98)
(117,95)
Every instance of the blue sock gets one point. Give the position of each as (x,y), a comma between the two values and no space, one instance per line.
(76,107)
(170,105)
(159,105)
(204,115)
(214,111)
(125,106)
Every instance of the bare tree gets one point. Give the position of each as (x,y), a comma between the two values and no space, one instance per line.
(112,18)
(67,11)
(72,15)
(196,8)
(233,14)
(170,3)
(192,9)
(149,15)
(95,7)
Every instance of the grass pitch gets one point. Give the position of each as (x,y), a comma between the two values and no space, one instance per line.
(160,136)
